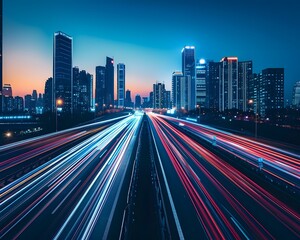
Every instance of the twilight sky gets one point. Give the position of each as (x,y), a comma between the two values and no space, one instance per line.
(148,35)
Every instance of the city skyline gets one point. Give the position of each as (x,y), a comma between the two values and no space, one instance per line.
(150,51)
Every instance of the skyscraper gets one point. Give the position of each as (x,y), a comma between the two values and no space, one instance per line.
(128,102)
(109,83)
(213,85)
(159,95)
(201,83)
(62,71)
(271,91)
(188,70)
(167,100)
(48,95)
(82,91)
(85,89)
(138,101)
(179,90)
(296,95)
(75,76)
(27,102)
(100,88)
(253,92)
(18,104)
(244,78)
(121,85)
(228,91)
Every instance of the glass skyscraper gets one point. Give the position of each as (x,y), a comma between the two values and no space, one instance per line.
(201,68)
(121,85)
(188,70)
(62,71)
(228,91)
(100,87)
(109,82)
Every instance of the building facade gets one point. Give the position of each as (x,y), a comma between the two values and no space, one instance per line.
(121,85)
(82,91)
(100,87)
(244,78)
(213,85)
(188,71)
(253,92)
(138,101)
(159,96)
(179,90)
(109,83)
(48,95)
(62,71)
(201,73)
(228,85)
(271,91)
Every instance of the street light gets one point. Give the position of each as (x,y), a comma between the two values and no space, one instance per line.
(58,103)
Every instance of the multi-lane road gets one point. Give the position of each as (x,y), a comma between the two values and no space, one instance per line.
(73,195)
(209,198)
(214,184)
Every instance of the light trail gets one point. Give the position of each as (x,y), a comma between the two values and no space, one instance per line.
(208,180)
(78,183)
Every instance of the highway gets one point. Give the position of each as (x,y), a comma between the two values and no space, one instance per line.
(209,198)
(72,195)
(19,158)
(206,183)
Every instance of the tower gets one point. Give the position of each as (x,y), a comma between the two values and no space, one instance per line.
(62,71)
(188,70)
(121,85)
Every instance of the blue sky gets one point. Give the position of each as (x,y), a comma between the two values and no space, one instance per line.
(148,37)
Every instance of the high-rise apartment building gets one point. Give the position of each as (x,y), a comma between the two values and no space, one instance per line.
(167,100)
(271,91)
(121,85)
(253,92)
(244,78)
(159,95)
(188,70)
(228,85)
(179,90)
(62,72)
(213,85)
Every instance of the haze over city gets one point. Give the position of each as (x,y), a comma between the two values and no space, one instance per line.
(148,37)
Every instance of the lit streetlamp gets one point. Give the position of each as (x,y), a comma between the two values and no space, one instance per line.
(58,103)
